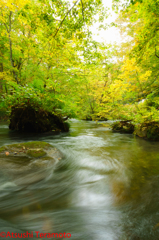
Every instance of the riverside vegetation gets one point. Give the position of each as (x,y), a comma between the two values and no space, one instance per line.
(51,67)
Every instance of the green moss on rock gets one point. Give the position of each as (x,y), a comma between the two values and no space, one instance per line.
(35,144)
(35,149)
(123,127)
(148,130)
(47,158)
(36,153)
(2,149)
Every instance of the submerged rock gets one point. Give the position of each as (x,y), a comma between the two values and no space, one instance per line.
(24,149)
(36,153)
(29,150)
(28,162)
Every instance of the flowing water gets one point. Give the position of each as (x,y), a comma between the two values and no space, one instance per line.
(106,186)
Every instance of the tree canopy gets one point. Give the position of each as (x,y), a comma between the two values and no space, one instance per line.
(48,55)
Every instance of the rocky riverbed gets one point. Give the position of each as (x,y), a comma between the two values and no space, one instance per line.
(26,159)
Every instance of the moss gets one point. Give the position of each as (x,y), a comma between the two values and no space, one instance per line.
(148,130)
(3,148)
(30,149)
(123,127)
(36,153)
(47,158)
(23,160)
(35,144)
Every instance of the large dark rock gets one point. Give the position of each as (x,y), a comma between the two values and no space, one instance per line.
(35,119)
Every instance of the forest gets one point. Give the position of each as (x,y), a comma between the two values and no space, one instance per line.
(79,120)
(51,67)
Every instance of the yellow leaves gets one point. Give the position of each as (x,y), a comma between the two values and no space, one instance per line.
(3,3)
(3,33)
(129,65)
(22,21)
(6,76)
(1,75)
(13,5)
(144,116)
(134,77)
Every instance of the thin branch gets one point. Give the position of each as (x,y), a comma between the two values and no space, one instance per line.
(39,61)
(156,53)
(65,18)
(82,10)
(4,22)
(6,27)
(10,46)
(10,42)
(10,16)
(139,81)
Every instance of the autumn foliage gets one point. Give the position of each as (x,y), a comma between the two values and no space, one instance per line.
(47,51)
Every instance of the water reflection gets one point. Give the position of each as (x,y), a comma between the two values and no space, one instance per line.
(105,187)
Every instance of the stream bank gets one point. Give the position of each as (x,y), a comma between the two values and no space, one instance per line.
(146,130)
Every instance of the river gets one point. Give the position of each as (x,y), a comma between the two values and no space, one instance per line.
(106,186)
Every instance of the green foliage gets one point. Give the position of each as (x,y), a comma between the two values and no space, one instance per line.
(36,153)
(41,46)
(49,59)
(137,77)
(21,96)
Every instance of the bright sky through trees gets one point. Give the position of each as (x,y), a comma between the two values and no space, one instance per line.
(110,35)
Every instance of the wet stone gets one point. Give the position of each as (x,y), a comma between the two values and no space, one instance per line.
(34,160)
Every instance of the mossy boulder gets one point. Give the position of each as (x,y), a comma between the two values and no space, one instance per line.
(2,149)
(34,149)
(29,145)
(26,118)
(123,127)
(148,130)
(36,153)
(29,162)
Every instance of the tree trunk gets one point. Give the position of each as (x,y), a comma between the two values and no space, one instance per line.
(1,79)
(10,46)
